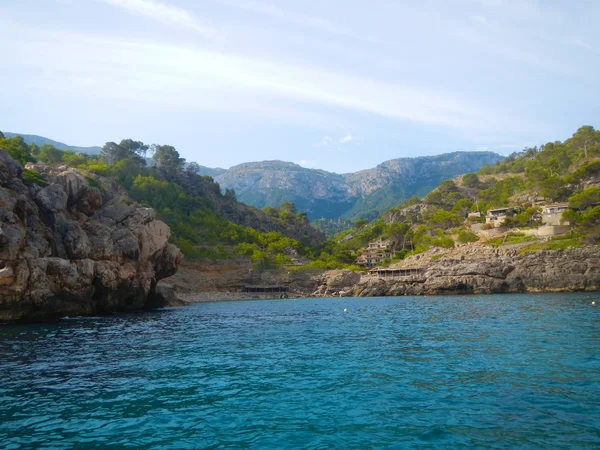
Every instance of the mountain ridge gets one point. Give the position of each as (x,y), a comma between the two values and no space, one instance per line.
(329,195)
(365,193)
(41,140)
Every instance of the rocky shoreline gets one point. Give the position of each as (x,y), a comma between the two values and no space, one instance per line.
(481,270)
(73,245)
(469,269)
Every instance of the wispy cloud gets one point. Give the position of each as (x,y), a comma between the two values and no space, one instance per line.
(164,13)
(213,80)
(323,142)
(288,16)
(346,139)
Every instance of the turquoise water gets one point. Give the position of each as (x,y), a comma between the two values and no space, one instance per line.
(513,371)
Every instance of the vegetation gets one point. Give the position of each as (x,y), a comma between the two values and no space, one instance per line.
(566,171)
(570,240)
(30,178)
(557,171)
(510,238)
(196,228)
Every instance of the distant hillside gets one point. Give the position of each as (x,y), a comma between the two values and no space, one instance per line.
(203,170)
(366,193)
(563,175)
(40,140)
(326,195)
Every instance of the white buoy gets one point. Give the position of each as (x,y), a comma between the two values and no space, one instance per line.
(345,309)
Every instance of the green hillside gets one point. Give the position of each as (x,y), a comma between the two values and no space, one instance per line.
(204,222)
(566,171)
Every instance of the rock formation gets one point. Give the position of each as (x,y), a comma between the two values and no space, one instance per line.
(75,245)
(480,270)
(354,195)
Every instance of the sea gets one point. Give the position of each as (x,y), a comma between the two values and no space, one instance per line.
(451,372)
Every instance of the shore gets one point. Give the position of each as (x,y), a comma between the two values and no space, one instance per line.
(201,297)
(463,270)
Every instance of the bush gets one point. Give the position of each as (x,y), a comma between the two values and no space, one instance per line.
(510,238)
(30,178)
(585,199)
(466,236)
(570,240)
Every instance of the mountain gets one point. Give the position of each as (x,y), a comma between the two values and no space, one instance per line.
(366,193)
(209,171)
(40,140)
(327,195)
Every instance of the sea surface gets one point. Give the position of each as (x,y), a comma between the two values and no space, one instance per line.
(498,371)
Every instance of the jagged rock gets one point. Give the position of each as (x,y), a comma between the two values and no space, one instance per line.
(487,271)
(330,195)
(165,295)
(72,248)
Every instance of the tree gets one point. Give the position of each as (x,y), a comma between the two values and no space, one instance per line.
(193,167)
(50,154)
(396,232)
(167,158)
(470,180)
(360,223)
(17,148)
(585,136)
(462,207)
(273,212)
(113,152)
(230,195)
(444,219)
(288,207)
(465,236)
(585,199)
(555,188)
(137,147)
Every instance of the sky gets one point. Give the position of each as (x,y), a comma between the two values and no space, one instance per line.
(339,85)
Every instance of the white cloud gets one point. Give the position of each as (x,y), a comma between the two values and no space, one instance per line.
(288,16)
(324,142)
(211,80)
(167,14)
(346,139)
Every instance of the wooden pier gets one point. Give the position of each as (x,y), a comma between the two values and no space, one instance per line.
(384,272)
(264,288)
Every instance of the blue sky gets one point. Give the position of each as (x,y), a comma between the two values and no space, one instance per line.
(340,85)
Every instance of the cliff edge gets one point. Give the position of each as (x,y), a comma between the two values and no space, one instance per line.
(75,245)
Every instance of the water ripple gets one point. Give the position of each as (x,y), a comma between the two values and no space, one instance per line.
(500,372)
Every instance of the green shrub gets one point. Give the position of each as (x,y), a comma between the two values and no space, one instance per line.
(510,238)
(31,177)
(466,236)
(557,243)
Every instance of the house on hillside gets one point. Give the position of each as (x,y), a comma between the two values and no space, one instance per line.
(375,253)
(498,216)
(551,214)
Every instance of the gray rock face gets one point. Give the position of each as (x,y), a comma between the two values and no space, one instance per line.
(73,248)
(495,271)
(354,195)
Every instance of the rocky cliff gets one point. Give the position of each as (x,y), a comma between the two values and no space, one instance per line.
(365,193)
(480,270)
(75,245)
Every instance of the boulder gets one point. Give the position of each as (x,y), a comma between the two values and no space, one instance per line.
(73,248)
